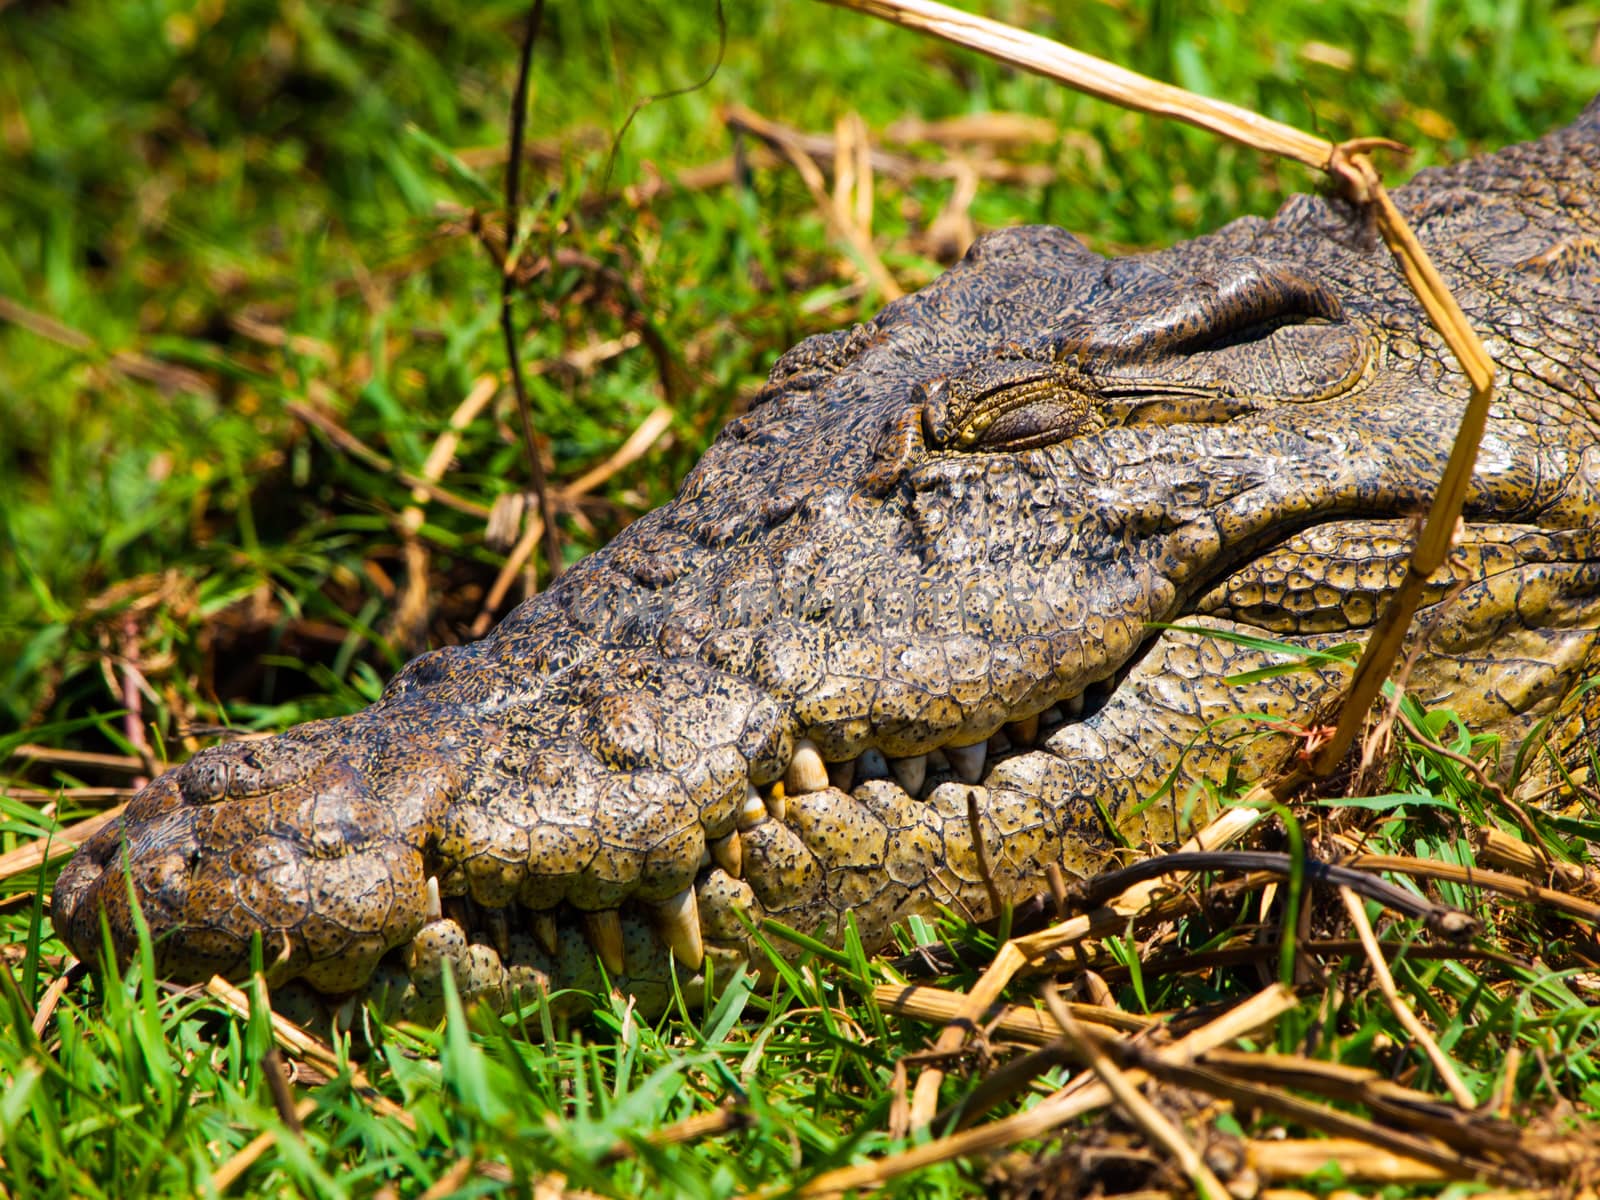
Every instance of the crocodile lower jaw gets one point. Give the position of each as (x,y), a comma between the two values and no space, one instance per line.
(507,950)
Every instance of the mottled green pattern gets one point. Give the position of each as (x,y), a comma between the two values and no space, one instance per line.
(925,565)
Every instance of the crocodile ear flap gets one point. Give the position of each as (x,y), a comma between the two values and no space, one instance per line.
(1005,404)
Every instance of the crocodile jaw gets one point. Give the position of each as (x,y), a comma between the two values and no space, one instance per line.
(924,530)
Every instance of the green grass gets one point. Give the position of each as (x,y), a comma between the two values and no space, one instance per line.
(258,206)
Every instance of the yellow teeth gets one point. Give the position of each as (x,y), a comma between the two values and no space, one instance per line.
(432,909)
(499,931)
(910,773)
(777,802)
(728,853)
(806,771)
(754,809)
(967,761)
(544,928)
(1024,732)
(679,921)
(604,928)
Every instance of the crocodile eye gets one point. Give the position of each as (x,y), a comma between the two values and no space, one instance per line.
(1005,404)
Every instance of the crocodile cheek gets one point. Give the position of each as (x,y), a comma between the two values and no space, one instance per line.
(556,852)
(782,871)
(362,905)
(725,905)
(857,852)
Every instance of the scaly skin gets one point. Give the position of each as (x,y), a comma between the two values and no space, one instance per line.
(928,531)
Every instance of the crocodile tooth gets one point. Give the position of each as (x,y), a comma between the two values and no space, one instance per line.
(1053,716)
(806,772)
(910,772)
(999,743)
(842,775)
(729,853)
(754,809)
(499,930)
(433,910)
(872,765)
(967,761)
(344,1017)
(1073,705)
(679,920)
(777,802)
(1024,732)
(544,928)
(604,927)
(704,860)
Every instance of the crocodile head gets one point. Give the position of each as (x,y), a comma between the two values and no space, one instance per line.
(920,594)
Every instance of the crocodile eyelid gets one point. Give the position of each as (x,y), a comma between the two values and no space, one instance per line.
(1010,403)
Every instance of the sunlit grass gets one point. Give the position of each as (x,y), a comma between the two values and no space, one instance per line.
(209,213)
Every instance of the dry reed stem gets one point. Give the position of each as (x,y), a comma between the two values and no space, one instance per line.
(126,763)
(1497,1144)
(302,1045)
(1013,1021)
(1438,532)
(691,1129)
(1357,1161)
(1013,46)
(444,448)
(532,532)
(450,1181)
(781,138)
(1109,919)
(32,855)
(1354,905)
(356,448)
(1500,849)
(1495,881)
(226,1175)
(1072,1101)
(1139,1110)
(1218,1081)
(638,444)
(51,998)
(164,375)
(408,615)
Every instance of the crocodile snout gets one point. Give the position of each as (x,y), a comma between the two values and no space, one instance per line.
(313,839)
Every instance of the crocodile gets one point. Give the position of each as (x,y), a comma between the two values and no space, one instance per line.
(957,594)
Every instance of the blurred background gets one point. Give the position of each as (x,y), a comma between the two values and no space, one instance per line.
(256,443)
